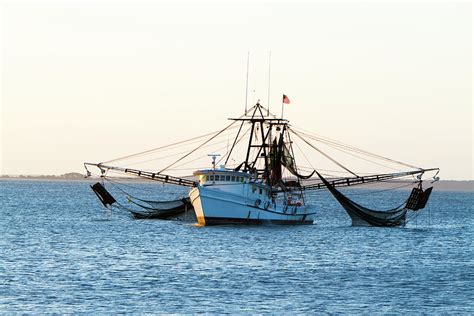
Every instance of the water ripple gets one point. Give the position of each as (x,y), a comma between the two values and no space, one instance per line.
(60,253)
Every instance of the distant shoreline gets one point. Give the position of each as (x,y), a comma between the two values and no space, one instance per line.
(443,185)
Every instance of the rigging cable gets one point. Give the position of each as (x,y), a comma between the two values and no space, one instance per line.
(204,156)
(200,157)
(176,154)
(305,157)
(158,148)
(324,154)
(236,141)
(354,155)
(365,159)
(349,147)
(192,151)
(379,191)
(232,148)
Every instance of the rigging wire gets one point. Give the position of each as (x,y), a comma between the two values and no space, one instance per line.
(324,154)
(179,153)
(184,169)
(349,147)
(305,157)
(192,151)
(197,158)
(306,168)
(236,142)
(365,159)
(159,148)
(379,191)
(354,155)
(200,157)
(233,145)
(117,185)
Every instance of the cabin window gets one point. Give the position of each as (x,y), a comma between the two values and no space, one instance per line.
(260,191)
(227,178)
(233,179)
(211,178)
(241,179)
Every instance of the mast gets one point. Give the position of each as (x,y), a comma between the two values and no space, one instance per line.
(269,79)
(247,83)
(263,147)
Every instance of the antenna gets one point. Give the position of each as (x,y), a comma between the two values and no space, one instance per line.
(247,83)
(269,77)
(213,156)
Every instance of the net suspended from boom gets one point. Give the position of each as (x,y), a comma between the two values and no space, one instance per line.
(363,216)
(144,209)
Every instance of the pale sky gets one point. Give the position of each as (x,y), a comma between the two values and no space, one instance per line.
(94,80)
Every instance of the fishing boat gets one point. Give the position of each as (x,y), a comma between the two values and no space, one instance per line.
(256,179)
(254,192)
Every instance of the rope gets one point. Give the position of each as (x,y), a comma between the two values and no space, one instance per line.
(200,157)
(307,160)
(175,154)
(379,191)
(116,185)
(233,145)
(349,147)
(365,159)
(192,151)
(236,141)
(324,154)
(354,155)
(158,148)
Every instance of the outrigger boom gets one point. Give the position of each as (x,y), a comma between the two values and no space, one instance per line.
(345,182)
(163,178)
(340,182)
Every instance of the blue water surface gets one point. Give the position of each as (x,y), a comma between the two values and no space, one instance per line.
(60,252)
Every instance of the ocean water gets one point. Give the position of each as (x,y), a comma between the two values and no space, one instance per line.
(60,252)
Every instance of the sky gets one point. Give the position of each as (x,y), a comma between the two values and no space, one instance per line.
(94,80)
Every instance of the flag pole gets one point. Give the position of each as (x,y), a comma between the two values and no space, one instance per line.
(247,84)
(282,105)
(269,78)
